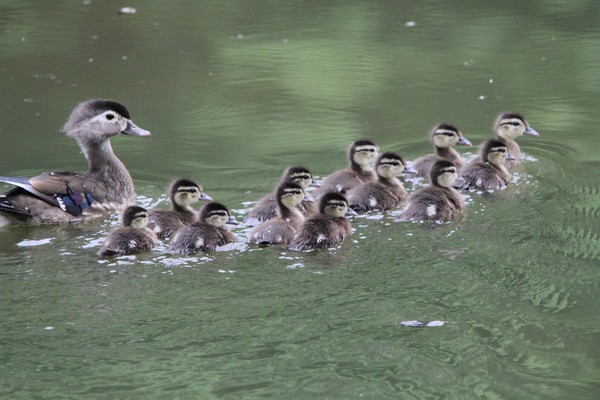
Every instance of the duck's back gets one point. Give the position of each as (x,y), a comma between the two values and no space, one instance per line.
(344,180)
(199,236)
(166,222)
(275,231)
(320,232)
(375,196)
(126,241)
(433,203)
(482,176)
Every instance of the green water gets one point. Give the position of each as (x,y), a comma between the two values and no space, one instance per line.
(234,92)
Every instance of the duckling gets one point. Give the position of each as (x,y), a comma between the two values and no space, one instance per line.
(508,127)
(488,172)
(131,238)
(361,154)
(281,229)
(437,202)
(326,228)
(267,207)
(206,233)
(182,193)
(387,191)
(59,197)
(443,137)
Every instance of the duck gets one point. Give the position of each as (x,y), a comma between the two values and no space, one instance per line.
(132,237)
(328,227)
(488,171)
(267,208)
(443,137)
(385,193)
(65,197)
(361,155)
(182,193)
(280,229)
(205,234)
(438,201)
(508,127)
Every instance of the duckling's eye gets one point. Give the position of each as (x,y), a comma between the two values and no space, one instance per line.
(450,134)
(110,116)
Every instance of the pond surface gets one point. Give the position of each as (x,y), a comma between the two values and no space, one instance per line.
(236,91)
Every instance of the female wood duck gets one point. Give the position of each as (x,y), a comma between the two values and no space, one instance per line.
(443,137)
(437,202)
(508,127)
(182,193)
(281,228)
(56,197)
(131,238)
(488,172)
(387,191)
(361,155)
(207,233)
(327,228)
(267,207)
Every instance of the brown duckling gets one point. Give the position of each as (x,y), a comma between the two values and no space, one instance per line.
(182,193)
(437,202)
(385,193)
(362,155)
(443,137)
(206,233)
(131,238)
(327,228)
(281,228)
(267,208)
(508,127)
(59,197)
(487,172)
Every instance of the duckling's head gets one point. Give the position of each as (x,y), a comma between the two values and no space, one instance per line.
(94,121)
(290,194)
(445,136)
(443,173)
(390,165)
(334,204)
(185,192)
(298,175)
(135,216)
(511,125)
(216,214)
(495,152)
(363,153)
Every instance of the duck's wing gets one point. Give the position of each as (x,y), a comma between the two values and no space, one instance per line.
(68,191)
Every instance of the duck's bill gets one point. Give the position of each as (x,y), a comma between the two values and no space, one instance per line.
(464,141)
(133,129)
(531,132)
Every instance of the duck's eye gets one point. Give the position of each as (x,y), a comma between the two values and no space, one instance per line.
(110,116)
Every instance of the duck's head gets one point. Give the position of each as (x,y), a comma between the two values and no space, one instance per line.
(299,175)
(185,192)
(446,136)
(443,173)
(511,126)
(216,214)
(135,216)
(363,153)
(335,204)
(390,165)
(97,120)
(290,194)
(495,152)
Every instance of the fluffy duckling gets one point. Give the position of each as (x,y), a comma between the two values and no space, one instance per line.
(267,207)
(327,228)
(58,197)
(362,155)
(437,202)
(205,234)
(281,228)
(182,193)
(443,138)
(508,127)
(131,238)
(387,191)
(487,172)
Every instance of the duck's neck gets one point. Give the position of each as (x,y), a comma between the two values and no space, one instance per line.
(389,181)
(290,213)
(502,169)
(105,167)
(447,153)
